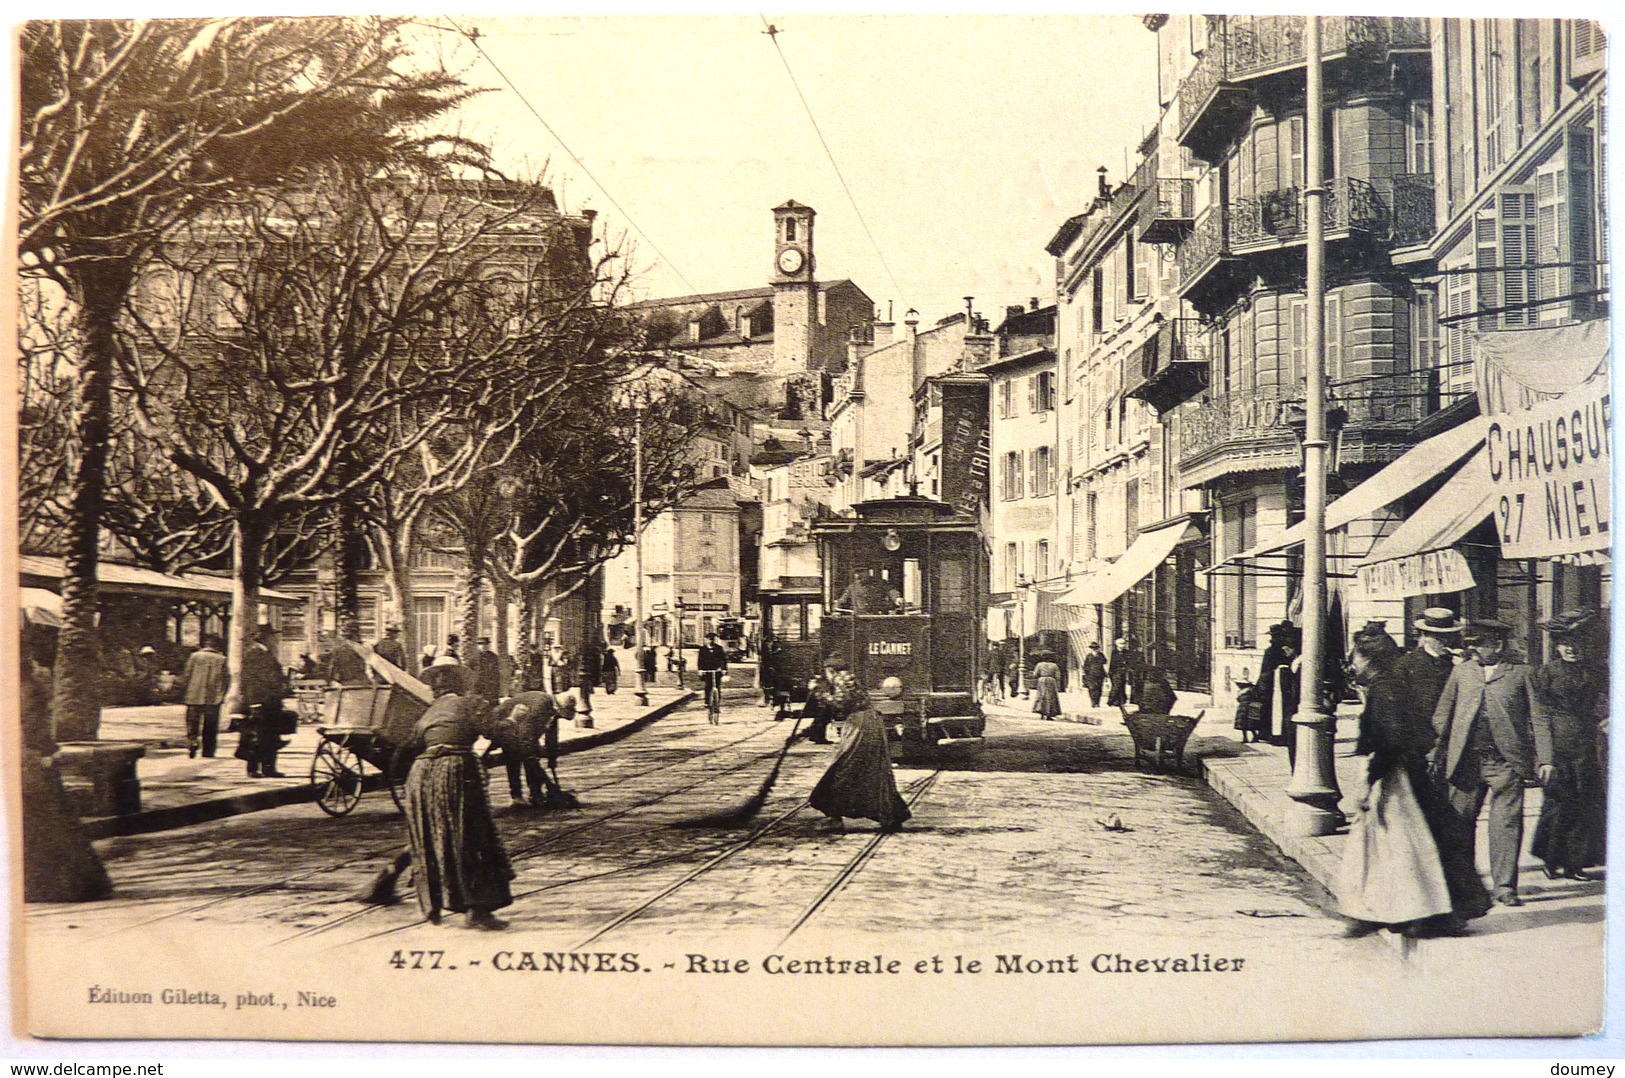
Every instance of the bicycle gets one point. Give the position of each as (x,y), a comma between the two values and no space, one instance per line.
(713,696)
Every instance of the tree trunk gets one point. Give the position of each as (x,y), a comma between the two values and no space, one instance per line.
(473,597)
(502,597)
(347,556)
(248,537)
(526,645)
(76,704)
(397,547)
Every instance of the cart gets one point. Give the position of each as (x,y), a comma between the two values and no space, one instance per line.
(362,725)
(1159,740)
(308,696)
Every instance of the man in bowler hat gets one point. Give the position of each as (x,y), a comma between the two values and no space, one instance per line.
(1495,735)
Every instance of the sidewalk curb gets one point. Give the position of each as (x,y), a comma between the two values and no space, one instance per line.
(166,819)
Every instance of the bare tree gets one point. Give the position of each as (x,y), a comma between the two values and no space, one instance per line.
(128,129)
(569,502)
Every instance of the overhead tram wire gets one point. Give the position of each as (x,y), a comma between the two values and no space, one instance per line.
(773,33)
(473,37)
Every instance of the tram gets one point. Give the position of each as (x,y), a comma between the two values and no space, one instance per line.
(903,587)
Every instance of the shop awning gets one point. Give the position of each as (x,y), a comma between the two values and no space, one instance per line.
(116,579)
(1414,467)
(1147,552)
(1518,367)
(1418,557)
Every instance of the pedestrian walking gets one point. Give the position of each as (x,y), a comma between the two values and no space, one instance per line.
(486,671)
(204,677)
(1094,672)
(260,728)
(1392,874)
(859,782)
(612,671)
(1117,672)
(648,665)
(1278,685)
(1569,838)
(1495,735)
(460,863)
(1047,676)
(559,666)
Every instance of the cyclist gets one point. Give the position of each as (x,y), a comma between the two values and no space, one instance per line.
(713,667)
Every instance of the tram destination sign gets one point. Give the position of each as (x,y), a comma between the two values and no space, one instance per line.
(1549,471)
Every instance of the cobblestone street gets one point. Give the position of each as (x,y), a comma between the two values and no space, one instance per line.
(1046,829)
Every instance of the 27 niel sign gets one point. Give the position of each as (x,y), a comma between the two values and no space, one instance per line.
(1549,469)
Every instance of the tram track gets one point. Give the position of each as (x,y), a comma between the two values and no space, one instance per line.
(526,853)
(914,791)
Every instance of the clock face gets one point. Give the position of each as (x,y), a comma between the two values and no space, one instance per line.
(790,259)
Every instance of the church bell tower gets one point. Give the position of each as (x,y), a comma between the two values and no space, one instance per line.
(795,291)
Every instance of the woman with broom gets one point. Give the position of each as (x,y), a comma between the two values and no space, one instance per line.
(859,782)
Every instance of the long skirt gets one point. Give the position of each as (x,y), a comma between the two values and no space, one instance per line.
(859,782)
(458,860)
(612,680)
(1573,815)
(1391,872)
(1048,701)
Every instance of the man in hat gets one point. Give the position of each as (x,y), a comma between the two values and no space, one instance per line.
(264,687)
(1425,669)
(713,664)
(389,648)
(487,671)
(1094,672)
(1495,735)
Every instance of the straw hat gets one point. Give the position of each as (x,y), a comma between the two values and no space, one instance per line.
(1437,619)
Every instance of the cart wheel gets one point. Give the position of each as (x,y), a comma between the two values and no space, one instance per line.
(400,765)
(335,771)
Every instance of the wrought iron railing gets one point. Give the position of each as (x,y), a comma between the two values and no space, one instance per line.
(1349,205)
(1208,241)
(1171,198)
(1225,417)
(1244,46)
(1199,85)
(1411,208)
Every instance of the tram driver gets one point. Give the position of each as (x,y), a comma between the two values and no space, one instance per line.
(869,594)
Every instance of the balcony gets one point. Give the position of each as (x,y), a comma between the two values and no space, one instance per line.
(1167,213)
(1205,260)
(1411,209)
(1253,429)
(1171,368)
(1244,50)
(1278,219)
(1209,103)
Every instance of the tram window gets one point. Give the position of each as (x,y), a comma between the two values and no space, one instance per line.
(787,622)
(912,599)
(815,619)
(953,586)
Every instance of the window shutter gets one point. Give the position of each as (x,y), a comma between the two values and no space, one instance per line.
(1142,269)
(1551,219)
(1294,156)
(1332,334)
(1299,313)
(1518,243)
(1582,221)
(1032,394)
(1486,254)
(1588,47)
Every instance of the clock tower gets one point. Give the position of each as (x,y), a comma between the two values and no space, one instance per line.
(795,291)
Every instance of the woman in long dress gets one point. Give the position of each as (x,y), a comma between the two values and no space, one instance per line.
(1391,876)
(1047,675)
(1573,813)
(859,782)
(458,858)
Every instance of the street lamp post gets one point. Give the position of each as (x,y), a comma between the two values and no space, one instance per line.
(1313,788)
(637,554)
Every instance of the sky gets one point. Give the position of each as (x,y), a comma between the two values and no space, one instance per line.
(965,140)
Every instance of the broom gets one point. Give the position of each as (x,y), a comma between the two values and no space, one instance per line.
(746,810)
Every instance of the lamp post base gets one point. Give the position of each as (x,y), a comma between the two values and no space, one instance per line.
(1313,788)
